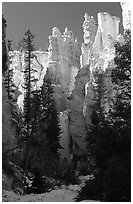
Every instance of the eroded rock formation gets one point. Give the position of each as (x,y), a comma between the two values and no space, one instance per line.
(70,68)
(97,53)
(126,14)
(77,119)
(61,63)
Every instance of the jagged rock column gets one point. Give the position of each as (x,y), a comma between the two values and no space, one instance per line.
(103,53)
(64,64)
(126,14)
(89,29)
(77,120)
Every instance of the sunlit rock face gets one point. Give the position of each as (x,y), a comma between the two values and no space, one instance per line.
(90,30)
(64,64)
(39,63)
(102,51)
(64,58)
(96,47)
(126,14)
(109,26)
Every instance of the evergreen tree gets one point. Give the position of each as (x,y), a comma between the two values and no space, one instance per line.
(9,85)
(45,132)
(52,118)
(29,79)
(11,88)
(110,136)
(112,133)
(121,77)
(4,48)
(99,128)
(118,187)
(10,45)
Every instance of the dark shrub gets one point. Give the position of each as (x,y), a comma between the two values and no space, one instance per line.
(93,190)
(117,179)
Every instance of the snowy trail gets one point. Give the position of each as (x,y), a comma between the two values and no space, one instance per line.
(61,195)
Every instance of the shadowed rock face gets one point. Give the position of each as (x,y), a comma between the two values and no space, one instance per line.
(8,133)
(90,98)
(4,52)
(11,177)
(77,119)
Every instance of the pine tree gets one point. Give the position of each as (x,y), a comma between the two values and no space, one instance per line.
(11,88)
(29,79)
(110,136)
(99,143)
(99,127)
(117,180)
(121,78)
(9,85)
(45,128)
(4,48)
(52,118)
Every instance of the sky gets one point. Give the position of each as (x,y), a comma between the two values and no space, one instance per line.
(41,17)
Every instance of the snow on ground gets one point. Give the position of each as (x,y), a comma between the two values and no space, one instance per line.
(60,195)
(64,194)
(9,196)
